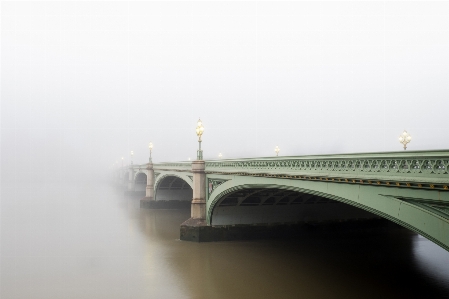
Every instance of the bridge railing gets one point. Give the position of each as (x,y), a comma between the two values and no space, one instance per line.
(402,166)
(176,166)
(406,166)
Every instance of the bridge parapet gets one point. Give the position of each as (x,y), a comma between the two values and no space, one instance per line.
(413,167)
(418,169)
(178,166)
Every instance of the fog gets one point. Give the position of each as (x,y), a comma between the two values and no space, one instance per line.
(84,83)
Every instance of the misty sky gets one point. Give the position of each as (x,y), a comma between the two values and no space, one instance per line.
(83,83)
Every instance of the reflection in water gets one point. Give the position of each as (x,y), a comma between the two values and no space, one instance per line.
(97,243)
(432,260)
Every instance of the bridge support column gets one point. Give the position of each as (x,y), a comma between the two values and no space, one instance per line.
(198,209)
(147,201)
(131,179)
(193,229)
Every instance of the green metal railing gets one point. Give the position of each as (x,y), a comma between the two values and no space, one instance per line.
(422,166)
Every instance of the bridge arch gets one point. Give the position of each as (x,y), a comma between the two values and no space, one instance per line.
(173,186)
(399,206)
(140,181)
(140,177)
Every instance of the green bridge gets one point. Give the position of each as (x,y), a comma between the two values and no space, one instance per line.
(410,188)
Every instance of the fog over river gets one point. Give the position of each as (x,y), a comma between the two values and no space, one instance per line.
(90,241)
(84,83)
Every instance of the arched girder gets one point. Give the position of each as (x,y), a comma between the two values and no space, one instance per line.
(178,183)
(173,181)
(161,176)
(423,211)
(140,174)
(272,197)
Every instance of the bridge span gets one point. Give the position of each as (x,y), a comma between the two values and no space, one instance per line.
(409,188)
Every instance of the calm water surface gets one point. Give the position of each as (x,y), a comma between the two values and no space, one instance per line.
(90,241)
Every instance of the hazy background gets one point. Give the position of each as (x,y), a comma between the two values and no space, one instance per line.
(83,83)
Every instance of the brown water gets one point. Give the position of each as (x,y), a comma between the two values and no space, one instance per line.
(90,241)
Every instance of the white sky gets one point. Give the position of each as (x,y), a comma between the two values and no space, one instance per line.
(83,83)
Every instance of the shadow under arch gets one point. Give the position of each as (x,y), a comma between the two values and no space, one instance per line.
(140,181)
(281,205)
(140,177)
(381,203)
(169,187)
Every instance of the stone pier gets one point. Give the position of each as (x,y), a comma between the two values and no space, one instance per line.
(131,178)
(196,225)
(148,200)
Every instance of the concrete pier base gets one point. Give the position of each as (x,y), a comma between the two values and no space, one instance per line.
(145,202)
(196,230)
(149,203)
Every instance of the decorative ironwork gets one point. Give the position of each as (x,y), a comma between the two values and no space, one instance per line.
(419,168)
(199,133)
(391,166)
(433,205)
(405,138)
(214,183)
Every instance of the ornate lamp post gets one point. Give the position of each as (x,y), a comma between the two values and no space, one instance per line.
(277,150)
(405,138)
(150,146)
(132,154)
(146,202)
(198,208)
(199,133)
(220,155)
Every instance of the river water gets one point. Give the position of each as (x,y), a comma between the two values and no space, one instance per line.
(91,241)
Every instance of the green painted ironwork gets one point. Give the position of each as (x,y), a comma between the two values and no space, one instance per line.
(214,183)
(392,203)
(409,166)
(418,169)
(410,188)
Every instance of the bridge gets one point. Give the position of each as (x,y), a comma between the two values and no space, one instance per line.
(409,188)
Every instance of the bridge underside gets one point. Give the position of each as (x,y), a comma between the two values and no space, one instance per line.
(252,200)
(408,188)
(270,206)
(257,213)
(140,182)
(173,188)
